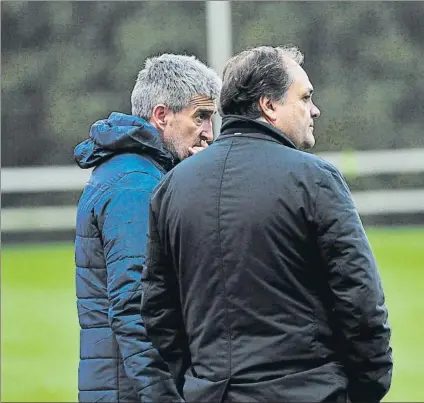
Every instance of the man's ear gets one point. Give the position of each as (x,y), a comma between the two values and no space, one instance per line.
(268,109)
(159,116)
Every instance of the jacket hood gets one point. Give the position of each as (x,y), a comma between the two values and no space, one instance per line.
(121,133)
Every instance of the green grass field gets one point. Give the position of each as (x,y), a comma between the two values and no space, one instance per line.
(39,329)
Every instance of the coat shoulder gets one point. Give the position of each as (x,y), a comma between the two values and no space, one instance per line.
(126,171)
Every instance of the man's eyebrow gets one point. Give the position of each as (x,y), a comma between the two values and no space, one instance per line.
(210,110)
(310,91)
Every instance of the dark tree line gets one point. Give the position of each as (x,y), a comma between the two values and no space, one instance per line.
(67,64)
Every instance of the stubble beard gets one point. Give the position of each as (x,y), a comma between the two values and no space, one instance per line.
(175,148)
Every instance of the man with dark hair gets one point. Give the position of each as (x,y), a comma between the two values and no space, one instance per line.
(261,284)
(173,101)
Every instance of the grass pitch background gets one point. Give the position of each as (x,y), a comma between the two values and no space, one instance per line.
(39,328)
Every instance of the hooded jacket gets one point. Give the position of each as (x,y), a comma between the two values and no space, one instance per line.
(261,285)
(116,358)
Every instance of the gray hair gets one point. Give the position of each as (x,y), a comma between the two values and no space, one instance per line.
(172,80)
(253,73)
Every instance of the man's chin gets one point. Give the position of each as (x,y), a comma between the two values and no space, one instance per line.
(184,155)
(170,147)
(309,142)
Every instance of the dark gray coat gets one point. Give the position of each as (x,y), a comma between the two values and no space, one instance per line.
(261,284)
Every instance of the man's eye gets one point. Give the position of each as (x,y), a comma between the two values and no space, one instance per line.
(202,117)
(307,97)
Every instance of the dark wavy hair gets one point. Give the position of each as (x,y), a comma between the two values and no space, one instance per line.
(254,73)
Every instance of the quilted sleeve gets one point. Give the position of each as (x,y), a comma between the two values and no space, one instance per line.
(123,222)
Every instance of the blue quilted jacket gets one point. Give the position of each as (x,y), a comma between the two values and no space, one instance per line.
(117,362)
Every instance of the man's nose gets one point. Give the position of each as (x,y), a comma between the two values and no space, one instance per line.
(207,132)
(315,112)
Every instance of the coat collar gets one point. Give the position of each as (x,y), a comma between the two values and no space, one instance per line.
(240,125)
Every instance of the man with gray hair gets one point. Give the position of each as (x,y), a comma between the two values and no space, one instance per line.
(260,276)
(172,105)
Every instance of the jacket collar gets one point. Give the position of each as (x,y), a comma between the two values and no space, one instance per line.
(240,125)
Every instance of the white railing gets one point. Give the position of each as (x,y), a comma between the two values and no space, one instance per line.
(43,179)
(71,178)
(367,163)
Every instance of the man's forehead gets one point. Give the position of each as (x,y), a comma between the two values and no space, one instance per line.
(300,79)
(202,101)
